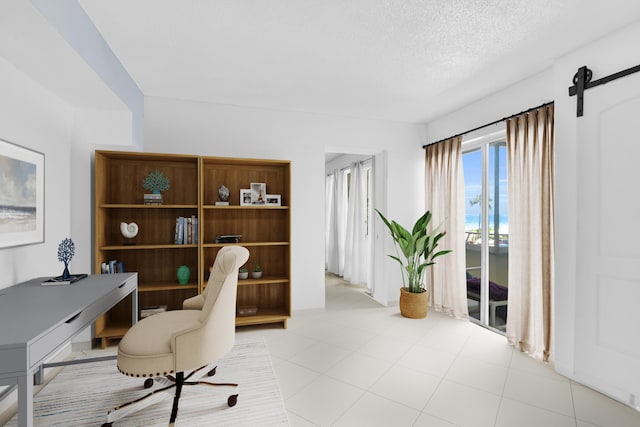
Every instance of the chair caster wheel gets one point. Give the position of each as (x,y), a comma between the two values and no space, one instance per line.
(148,382)
(212,372)
(232,400)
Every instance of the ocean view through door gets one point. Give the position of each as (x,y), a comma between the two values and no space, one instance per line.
(487,230)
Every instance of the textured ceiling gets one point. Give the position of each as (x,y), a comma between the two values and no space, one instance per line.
(401,60)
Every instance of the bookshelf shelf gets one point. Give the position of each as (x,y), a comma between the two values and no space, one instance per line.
(143,206)
(155,287)
(246,244)
(145,247)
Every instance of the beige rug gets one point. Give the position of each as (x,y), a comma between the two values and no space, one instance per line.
(81,395)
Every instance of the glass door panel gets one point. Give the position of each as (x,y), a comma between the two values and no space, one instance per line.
(498,241)
(487,233)
(472,165)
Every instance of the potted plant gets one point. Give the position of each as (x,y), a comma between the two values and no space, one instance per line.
(416,250)
(243,273)
(257,271)
(156,182)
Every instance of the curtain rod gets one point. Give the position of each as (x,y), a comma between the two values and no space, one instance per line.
(492,123)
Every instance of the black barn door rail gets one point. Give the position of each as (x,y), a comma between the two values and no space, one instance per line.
(582,81)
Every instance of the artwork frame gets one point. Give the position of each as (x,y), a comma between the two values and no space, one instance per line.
(21,196)
(273,200)
(245,197)
(258,193)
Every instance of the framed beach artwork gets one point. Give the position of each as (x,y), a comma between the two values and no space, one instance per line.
(21,195)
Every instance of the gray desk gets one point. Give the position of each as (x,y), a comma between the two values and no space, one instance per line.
(36,321)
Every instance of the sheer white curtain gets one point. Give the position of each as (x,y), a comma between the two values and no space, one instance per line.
(530,170)
(356,264)
(329,227)
(348,249)
(336,226)
(444,187)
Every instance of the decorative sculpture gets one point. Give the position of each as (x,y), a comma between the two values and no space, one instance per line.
(66,251)
(129,231)
(223,192)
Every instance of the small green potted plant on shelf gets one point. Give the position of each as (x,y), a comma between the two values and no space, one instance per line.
(416,251)
(257,271)
(243,273)
(156,182)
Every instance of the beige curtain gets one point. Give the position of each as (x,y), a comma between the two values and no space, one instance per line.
(444,186)
(531,268)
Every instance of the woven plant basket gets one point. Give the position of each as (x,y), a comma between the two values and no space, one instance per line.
(413,305)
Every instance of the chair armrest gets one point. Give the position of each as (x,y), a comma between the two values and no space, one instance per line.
(193,303)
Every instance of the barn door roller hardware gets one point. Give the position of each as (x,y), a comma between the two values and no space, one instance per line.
(582,81)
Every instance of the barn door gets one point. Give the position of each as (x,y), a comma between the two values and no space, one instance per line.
(607,355)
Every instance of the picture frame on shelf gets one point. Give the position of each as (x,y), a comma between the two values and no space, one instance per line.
(22,201)
(245,197)
(273,200)
(258,193)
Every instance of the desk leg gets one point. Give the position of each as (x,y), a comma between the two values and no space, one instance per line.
(25,400)
(134,307)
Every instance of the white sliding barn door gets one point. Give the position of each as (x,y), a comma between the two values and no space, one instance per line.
(607,340)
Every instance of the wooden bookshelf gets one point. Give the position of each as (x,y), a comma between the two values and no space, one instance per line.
(194,183)
(265,231)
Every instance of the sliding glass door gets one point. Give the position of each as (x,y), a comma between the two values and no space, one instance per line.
(486,228)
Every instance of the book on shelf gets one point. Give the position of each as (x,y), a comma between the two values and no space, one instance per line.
(186,231)
(228,238)
(150,311)
(153,199)
(179,231)
(112,266)
(195,229)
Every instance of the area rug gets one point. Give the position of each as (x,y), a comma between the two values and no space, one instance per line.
(81,395)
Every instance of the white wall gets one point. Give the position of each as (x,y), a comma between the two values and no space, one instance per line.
(605,56)
(175,126)
(533,91)
(92,130)
(70,20)
(34,118)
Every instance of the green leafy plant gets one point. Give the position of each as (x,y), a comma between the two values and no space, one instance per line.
(416,250)
(243,270)
(156,182)
(256,267)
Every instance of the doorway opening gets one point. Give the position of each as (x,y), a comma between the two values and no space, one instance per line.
(352,187)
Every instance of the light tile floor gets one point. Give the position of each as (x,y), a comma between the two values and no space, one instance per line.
(359,364)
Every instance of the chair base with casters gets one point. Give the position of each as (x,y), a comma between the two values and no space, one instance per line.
(175,347)
(177,382)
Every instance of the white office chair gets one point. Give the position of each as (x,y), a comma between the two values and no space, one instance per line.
(177,341)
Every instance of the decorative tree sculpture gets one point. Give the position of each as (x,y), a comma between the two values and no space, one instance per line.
(66,251)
